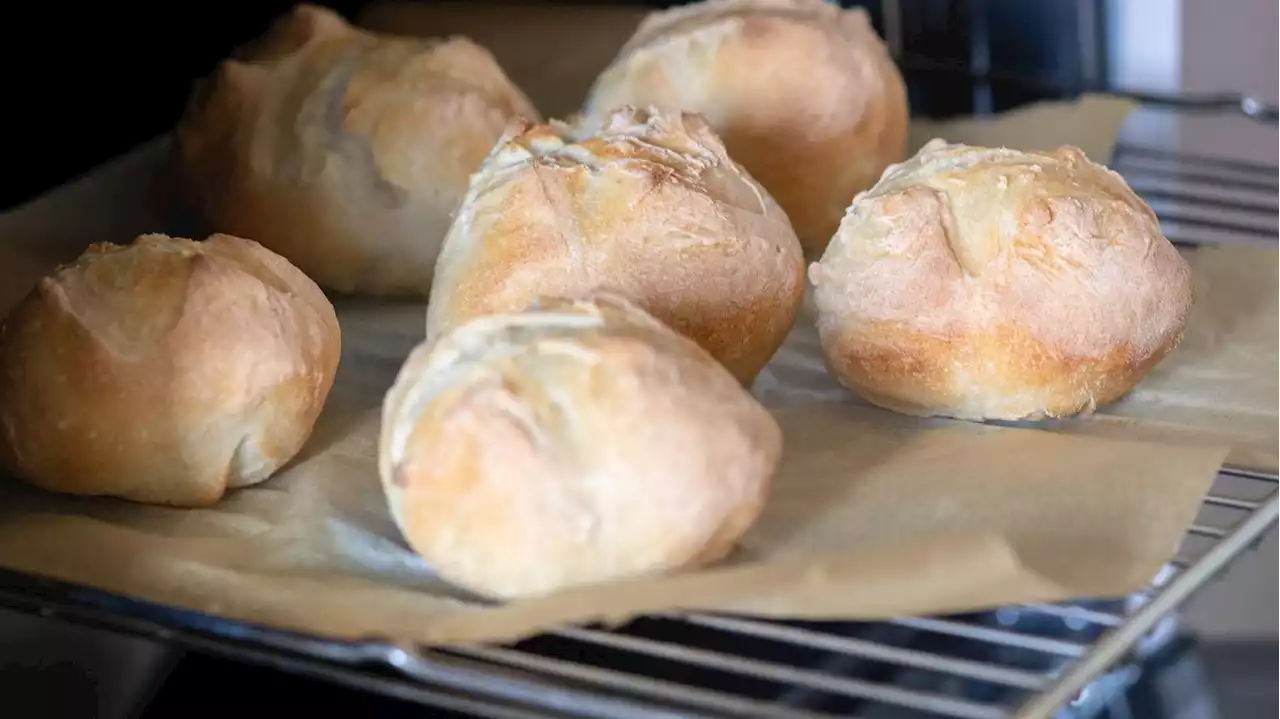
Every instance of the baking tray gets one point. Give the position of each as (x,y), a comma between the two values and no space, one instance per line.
(1062,661)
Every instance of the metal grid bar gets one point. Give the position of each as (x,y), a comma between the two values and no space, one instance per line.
(776,672)
(998,637)
(1104,619)
(618,681)
(1203,200)
(966,668)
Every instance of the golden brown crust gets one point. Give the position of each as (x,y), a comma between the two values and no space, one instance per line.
(579,441)
(804,94)
(646,204)
(165,371)
(997,284)
(343,150)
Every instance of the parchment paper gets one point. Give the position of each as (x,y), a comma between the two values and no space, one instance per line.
(872,515)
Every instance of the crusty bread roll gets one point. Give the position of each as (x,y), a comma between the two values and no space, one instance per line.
(647,204)
(986,283)
(343,150)
(166,371)
(803,92)
(579,441)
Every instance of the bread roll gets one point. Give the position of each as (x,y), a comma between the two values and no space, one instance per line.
(803,92)
(985,283)
(166,371)
(572,443)
(343,150)
(646,204)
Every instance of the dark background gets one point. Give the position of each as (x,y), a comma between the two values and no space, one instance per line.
(87,82)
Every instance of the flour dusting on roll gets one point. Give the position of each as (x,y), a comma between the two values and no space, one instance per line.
(165,371)
(643,202)
(803,92)
(576,442)
(990,283)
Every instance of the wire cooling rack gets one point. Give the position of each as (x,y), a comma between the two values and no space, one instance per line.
(1026,662)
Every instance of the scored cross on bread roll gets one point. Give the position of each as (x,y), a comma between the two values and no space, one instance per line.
(578,441)
(645,203)
(803,92)
(164,371)
(343,150)
(990,283)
